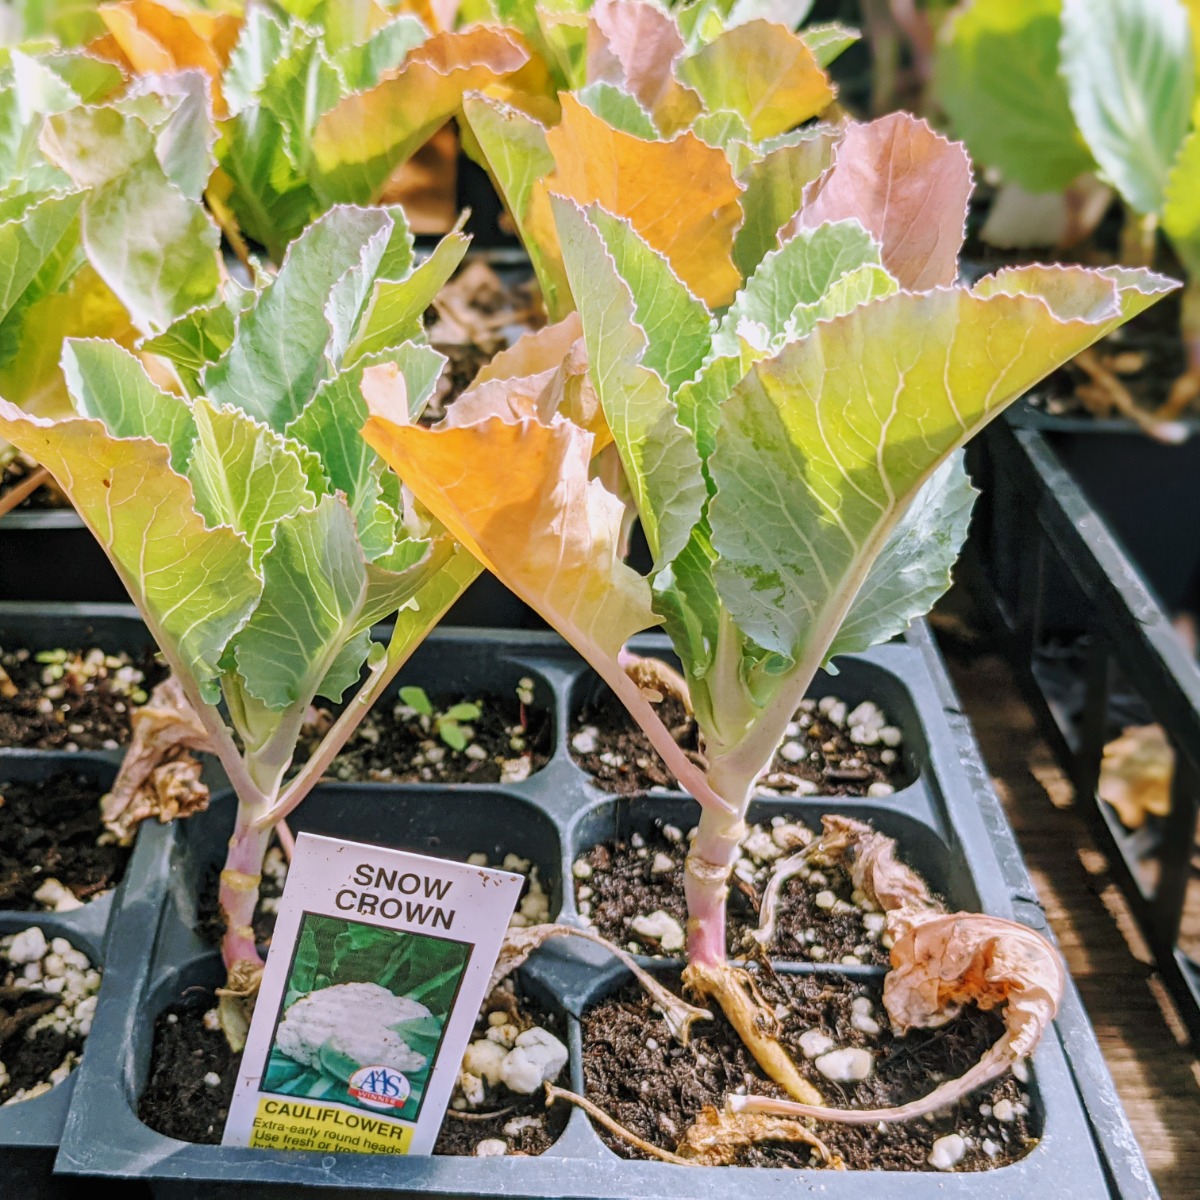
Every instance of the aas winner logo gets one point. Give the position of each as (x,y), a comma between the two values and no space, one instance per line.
(379,1087)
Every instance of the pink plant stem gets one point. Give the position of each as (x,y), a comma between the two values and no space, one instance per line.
(238,894)
(706,876)
(286,840)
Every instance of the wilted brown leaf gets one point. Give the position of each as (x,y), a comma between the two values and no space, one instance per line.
(1136,773)
(158,777)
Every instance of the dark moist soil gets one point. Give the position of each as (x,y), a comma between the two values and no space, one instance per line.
(89,715)
(640,767)
(384,747)
(638,1075)
(623,886)
(178,1103)
(49,830)
(29,1061)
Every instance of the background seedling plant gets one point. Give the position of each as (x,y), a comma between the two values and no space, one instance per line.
(791,449)
(1047,92)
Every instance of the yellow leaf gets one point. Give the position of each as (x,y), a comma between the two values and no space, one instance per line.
(680,196)
(359,142)
(764,73)
(1135,776)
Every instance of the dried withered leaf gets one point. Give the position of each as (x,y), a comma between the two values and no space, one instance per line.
(715,1139)
(874,867)
(1135,775)
(164,730)
(940,962)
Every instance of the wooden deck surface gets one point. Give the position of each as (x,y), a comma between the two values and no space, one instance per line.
(1156,1073)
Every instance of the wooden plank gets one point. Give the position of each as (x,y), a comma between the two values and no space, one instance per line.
(1156,1073)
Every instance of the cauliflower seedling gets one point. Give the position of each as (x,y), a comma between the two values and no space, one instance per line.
(351,1021)
(448,725)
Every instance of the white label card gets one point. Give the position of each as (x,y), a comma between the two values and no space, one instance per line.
(378,967)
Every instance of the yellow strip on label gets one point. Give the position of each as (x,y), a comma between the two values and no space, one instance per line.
(302,1125)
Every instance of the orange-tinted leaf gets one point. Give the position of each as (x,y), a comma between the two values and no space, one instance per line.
(680,196)
(908,186)
(156,37)
(518,496)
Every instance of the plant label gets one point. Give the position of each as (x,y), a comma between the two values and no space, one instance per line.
(377,971)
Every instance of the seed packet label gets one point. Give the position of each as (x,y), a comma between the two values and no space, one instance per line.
(378,967)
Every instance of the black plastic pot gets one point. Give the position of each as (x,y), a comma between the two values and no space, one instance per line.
(1144,489)
(948,825)
(30,1130)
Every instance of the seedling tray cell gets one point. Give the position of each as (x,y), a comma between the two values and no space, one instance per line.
(156,951)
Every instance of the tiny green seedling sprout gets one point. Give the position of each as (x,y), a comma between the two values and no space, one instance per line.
(451,725)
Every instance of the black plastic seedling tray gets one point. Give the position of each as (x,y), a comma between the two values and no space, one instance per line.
(1145,491)
(948,826)
(1131,650)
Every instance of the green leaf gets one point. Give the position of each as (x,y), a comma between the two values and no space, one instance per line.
(618,108)
(195,586)
(829,41)
(246,475)
(152,245)
(913,568)
(677,326)
(998,76)
(1181,213)
(176,108)
(657,452)
(279,354)
(774,192)
(361,65)
(314,584)
(452,735)
(260,45)
(201,336)
(329,426)
(463,712)
(822,448)
(725,129)
(797,274)
(416,699)
(512,147)
(395,311)
(38,254)
(1130,78)
(304,966)
(271,202)
(110,384)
